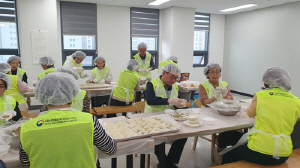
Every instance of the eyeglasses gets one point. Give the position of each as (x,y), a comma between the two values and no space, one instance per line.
(212,73)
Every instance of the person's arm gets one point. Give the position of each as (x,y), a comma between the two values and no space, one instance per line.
(228,95)
(152,66)
(151,98)
(21,86)
(91,76)
(251,110)
(24,157)
(68,63)
(109,76)
(204,97)
(103,141)
(24,79)
(137,87)
(17,110)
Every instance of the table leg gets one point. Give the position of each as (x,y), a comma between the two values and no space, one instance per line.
(114,163)
(162,155)
(129,161)
(142,161)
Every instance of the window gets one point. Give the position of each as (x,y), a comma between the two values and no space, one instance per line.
(201,37)
(145,28)
(78,24)
(8,36)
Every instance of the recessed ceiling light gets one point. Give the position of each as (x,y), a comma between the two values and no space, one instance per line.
(158,2)
(238,7)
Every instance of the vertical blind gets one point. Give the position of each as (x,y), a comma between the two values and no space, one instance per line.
(7,11)
(202,21)
(144,22)
(78,18)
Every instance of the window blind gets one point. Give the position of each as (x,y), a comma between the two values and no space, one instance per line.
(7,11)
(202,21)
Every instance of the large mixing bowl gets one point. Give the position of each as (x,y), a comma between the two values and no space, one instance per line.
(227,108)
(228,112)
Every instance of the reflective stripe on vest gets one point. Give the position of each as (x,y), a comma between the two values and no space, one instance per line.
(49,70)
(143,65)
(77,102)
(7,103)
(126,84)
(160,91)
(276,114)
(64,136)
(98,75)
(14,90)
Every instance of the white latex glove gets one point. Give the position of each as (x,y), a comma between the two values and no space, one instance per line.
(142,70)
(173,101)
(95,80)
(8,115)
(78,69)
(84,75)
(181,103)
(102,81)
(224,92)
(218,91)
(148,70)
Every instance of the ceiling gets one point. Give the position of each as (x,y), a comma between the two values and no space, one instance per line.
(205,6)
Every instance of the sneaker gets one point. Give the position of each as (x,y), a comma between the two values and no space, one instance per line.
(217,157)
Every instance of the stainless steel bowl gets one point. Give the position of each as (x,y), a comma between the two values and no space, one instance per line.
(228,112)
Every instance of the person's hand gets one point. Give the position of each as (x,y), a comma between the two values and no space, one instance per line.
(148,70)
(84,75)
(224,92)
(181,103)
(218,91)
(78,69)
(24,83)
(95,80)
(102,81)
(142,70)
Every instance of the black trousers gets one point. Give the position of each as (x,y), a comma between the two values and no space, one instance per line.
(244,153)
(114,102)
(229,138)
(175,151)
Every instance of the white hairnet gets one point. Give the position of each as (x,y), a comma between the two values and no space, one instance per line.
(12,58)
(171,68)
(5,78)
(5,68)
(173,58)
(277,77)
(68,70)
(142,45)
(56,89)
(210,66)
(132,65)
(79,54)
(47,61)
(99,58)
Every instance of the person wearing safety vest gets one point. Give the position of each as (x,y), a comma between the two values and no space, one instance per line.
(14,62)
(215,90)
(75,61)
(101,73)
(66,136)
(276,111)
(16,89)
(160,94)
(81,101)
(8,103)
(47,64)
(128,83)
(170,60)
(146,64)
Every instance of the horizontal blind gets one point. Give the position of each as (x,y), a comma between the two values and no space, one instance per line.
(202,21)
(7,11)
(144,22)
(78,18)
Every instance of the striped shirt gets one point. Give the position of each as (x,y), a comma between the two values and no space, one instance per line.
(101,140)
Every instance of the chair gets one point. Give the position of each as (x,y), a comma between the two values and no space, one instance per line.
(139,106)
(213,139)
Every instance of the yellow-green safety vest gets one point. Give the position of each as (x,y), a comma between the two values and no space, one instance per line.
(7,103)
(160,91)
(20,73)
(276,114)
(143,65)
(14,90)
(74,64)
(165,63)
(98,75)
(210,90)
(59,139)
(49,70)
(77,102)
(126,84)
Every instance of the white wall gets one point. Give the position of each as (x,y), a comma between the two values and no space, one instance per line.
(258,39)
(177,35)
